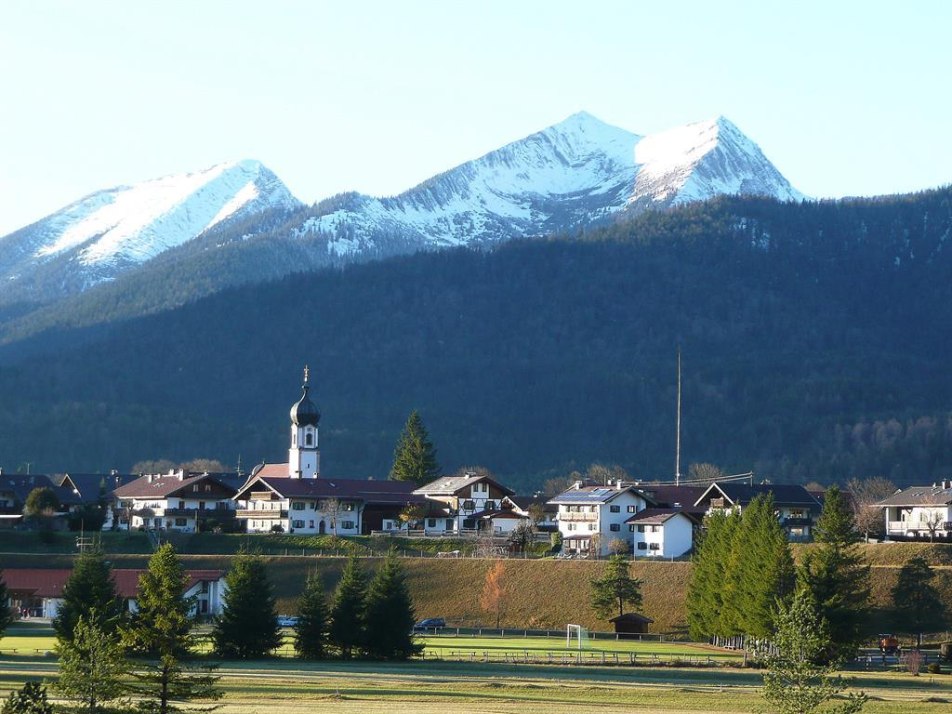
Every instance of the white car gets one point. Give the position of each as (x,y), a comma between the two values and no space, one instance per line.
(287,621)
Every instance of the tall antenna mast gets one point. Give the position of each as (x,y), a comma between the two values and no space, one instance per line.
(677,440)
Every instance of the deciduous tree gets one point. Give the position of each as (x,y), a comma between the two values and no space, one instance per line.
(493,589)
(414,458)
(864,495)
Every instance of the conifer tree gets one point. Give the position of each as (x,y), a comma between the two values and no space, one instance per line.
(615,589)
(29,699)
(838,577)
(347,611)
(705,597)
(162,627)
(92,664)
(89,592)
(414,458)
(6,615)
(917,601)
(762,572)
(248,625)
(310,632)
(793,681)
(389,616)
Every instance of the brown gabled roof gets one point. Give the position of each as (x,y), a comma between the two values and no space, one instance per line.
(155,486)
(49,582)
(919,496)
(366,490)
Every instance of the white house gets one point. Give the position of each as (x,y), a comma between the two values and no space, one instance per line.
(38,592)
(457,504)
(591,517)
(919,512)
(176,501)
(661,532)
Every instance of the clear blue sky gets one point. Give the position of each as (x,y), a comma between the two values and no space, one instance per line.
(846,98)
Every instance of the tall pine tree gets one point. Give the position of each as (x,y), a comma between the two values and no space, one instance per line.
(916,600)
(347,610)
(838,577)
(615,589)
(92,665)
(162,627)
(248,625)
(762,574)
(388,615)
(91,593)
(414,458)
(310,632)
(706,593)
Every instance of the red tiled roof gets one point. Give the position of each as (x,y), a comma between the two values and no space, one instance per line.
(49,582)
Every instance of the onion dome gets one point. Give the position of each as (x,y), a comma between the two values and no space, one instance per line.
(304,412)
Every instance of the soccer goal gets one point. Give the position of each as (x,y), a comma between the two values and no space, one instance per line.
(579,633)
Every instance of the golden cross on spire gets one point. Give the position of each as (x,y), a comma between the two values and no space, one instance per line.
(307,373)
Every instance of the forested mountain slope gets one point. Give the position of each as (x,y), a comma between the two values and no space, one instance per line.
(814,338)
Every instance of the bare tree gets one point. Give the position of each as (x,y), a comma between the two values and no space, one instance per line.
(864,495)
(705,472)
(332,508)
(412,514)
(536,513)
(933,520)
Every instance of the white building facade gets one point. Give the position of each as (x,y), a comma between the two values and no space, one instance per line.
(590,518)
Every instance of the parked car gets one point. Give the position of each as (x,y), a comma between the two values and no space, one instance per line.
(287,621)
(430,623)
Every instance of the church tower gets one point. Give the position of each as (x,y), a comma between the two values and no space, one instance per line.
(304,457)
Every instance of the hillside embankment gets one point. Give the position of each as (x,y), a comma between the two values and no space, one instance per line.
(537,593)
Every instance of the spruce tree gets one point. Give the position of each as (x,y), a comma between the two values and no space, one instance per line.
(389,616)
(92,665)
(6,615)
(30,699)
(414,458)
(762,573)
(615,589)
(310,632)
(917,601)
(91,593)
(347,611)
(248,626)
(162,627)
(706,591)
(838,577)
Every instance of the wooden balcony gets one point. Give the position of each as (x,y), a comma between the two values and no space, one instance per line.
(568,516)
(263,514)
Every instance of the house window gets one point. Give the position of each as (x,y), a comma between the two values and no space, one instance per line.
(180,522)
(297,506)
(615,509)
(654,546)
(347,525)
(313,506)
(490,506)
(201,505)
(632,509)
(431,523)
(642,545)
(181,504)
(469,505)
(571,526)
(347,507)
(195,487)
(591,526)
(631,528)
(641,529)
(469,523)
(614,527)
(297,524)
(208,487)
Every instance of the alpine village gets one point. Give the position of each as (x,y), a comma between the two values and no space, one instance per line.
(600,421)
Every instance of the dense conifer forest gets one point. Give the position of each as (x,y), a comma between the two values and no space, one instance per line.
(815,340)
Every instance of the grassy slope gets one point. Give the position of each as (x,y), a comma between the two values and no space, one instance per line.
(539,594)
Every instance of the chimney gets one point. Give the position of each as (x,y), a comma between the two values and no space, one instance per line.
(577,485)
